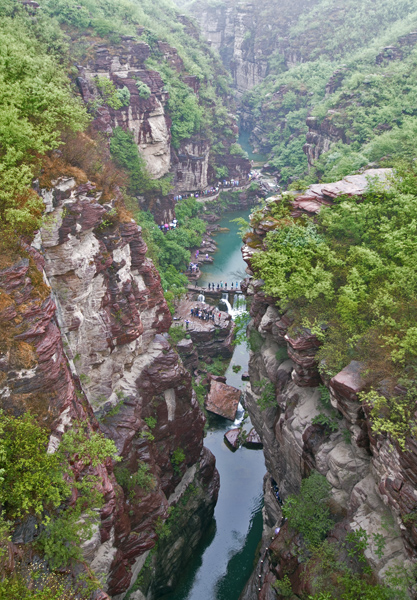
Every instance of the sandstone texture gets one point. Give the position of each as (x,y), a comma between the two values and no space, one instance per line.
(232,438)
(84,323)
(322,194)
(223,400)
(372,480)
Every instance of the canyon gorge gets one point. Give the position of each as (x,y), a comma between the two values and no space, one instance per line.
(208,210)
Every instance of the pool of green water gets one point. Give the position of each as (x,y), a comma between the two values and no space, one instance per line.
(224,560)
(228,265)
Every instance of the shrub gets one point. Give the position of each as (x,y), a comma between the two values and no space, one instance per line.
(31,479)
(36,105)
(128,480)
(109,92)
(392,416)
(176,333)
(124,96)
(32,482)
(267,397)
(237,150)
(177,458)
(307,512)
(143,89)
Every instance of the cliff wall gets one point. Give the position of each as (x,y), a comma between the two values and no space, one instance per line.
(372,479)
(85,320)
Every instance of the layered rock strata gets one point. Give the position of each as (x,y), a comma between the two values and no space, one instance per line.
(373,483)
(84,325)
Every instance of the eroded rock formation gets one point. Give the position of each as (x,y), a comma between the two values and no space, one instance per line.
(372,479)
(84,321)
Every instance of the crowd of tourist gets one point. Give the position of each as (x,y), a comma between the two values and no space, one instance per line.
(221,185)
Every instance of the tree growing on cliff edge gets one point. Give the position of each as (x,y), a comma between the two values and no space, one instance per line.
(36,104)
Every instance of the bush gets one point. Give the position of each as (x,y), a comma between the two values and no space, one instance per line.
(126,155)
(36,105)
(237,150)
(143,89)
(307,512)
(177,458)
(109,92)
(142,478)
(176,333)
(267,398)
(32,482)
(31,479)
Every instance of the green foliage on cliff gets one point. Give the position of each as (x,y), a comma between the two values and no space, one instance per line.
(354,270)
(371,107)
(307,512)
(142,478)
(392,416)
(36,105)
(183,107)
(36,482)
(125,154)
(31,479)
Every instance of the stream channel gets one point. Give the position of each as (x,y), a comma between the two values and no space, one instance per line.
(224,560)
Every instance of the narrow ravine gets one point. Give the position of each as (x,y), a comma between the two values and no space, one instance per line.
(224,560)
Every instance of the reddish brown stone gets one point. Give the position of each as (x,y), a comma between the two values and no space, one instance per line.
(253,440)
(223,400)
(232,439)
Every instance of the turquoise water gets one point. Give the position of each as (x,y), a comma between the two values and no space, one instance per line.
(228,264)
(224,560)
(244,142)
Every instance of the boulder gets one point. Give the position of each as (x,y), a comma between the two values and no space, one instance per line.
(223,400)
(253,440)
(232,439)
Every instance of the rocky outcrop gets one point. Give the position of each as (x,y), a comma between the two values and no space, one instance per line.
(84,325)
(246,35)
(372,480)
(323,194)
(191,163)
(144,116)
(144,113)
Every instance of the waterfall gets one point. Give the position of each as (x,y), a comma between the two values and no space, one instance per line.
(239,305)
(201,298)
(225,300)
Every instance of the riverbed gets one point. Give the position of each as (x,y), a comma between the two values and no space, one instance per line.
(225,558)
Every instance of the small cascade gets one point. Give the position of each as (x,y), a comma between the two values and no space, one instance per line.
(239,305)
(225,301)
(201,298)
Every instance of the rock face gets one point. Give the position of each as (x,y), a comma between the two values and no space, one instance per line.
(371,479)
(232,439)
(83,322)
(223,400)
(323,194)
(253,440)
(145,117)
(237,32)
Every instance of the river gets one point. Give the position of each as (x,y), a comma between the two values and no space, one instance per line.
(224,561)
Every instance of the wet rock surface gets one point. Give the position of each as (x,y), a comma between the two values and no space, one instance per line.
(253,440)
(232,438)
